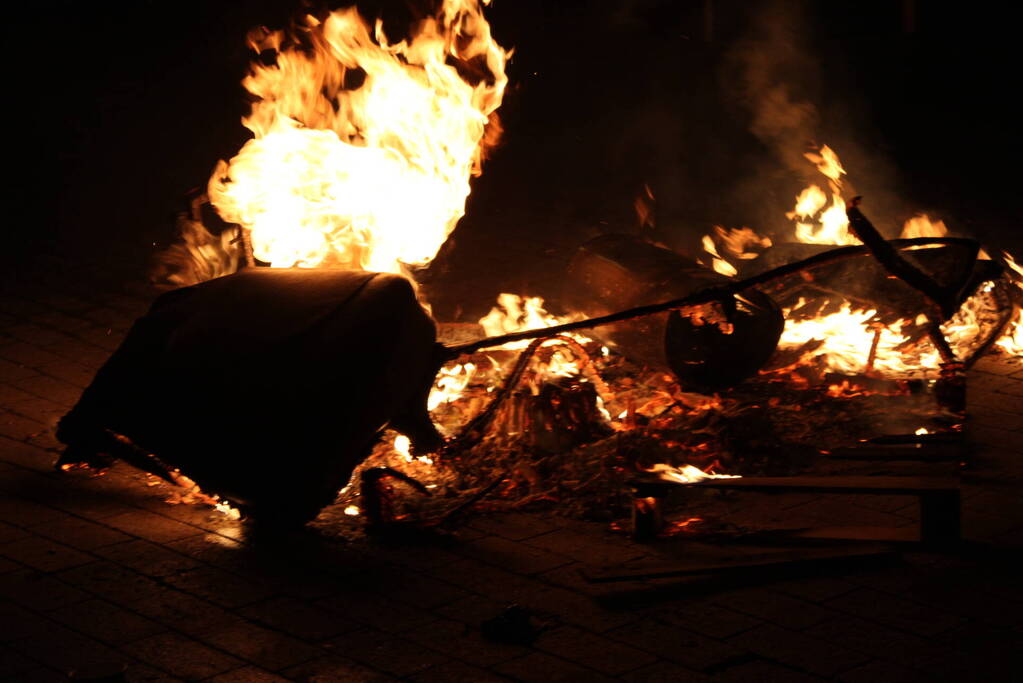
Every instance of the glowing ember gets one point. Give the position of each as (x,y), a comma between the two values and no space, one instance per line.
(368,175)
(687,474)
(352,510)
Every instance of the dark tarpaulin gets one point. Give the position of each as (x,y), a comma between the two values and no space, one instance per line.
(267,386)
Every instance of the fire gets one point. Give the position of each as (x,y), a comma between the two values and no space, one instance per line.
(687,474)
(739,243)
(371,174)
(451,381)
(514,313)
(719,264)
(922,226)
(1011,341)
(848,336)
(814,223)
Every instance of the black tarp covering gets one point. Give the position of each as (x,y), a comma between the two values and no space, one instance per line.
(267,386)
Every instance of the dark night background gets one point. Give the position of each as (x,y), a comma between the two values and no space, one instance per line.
(117,109)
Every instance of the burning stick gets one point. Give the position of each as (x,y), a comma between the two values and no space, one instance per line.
(887,256)
(872,356)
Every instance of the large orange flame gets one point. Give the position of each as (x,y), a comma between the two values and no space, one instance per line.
(363,149)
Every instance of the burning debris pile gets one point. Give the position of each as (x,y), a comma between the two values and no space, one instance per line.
(359,169)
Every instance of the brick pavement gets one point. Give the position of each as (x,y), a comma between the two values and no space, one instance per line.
(96,570)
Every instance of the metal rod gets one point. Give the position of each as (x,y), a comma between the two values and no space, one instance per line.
(703,296)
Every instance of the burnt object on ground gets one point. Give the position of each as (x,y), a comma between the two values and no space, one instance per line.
(266,387)
(715,347)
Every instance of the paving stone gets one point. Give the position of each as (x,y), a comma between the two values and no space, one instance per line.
(40,410)
(19,428)
(298,619)
(476,577)
(512,526)
(18,622)
(517,557)
(899,647)
(182,656)
(13,372)
(335,669)
(798,650)
(381,651)
(815,589)
(593,651)
(142,673)
(248,674)
(218,586)
(676,644)
(9,395)
(377,611)
(9,532)
(152,527)
(69,371)
(108,338)
(707,618)
(43,554)
(268,649)
(39,591)
(587,548)
(25,513)
(14,666)
(664,672)
(543,668)
(105,621)
(66,651)
(27,355)
(894,611)
(92,505)
(416,589)
(149,598)
(42,675)
(62,322)
(761,671)
(80,533)
(80,351)
(148,558)
(455,672)
(56,390)
(775,607)
(463,642)
(887,672)
(570,607)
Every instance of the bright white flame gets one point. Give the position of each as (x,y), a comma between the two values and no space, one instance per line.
(368,175)
(687,474)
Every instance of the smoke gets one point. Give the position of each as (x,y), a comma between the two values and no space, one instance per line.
(778,82)
(793,106)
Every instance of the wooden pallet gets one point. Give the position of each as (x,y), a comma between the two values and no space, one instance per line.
(940,500)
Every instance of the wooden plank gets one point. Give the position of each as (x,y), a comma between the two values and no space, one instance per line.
(841,484)
(738,564)
(888,452)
